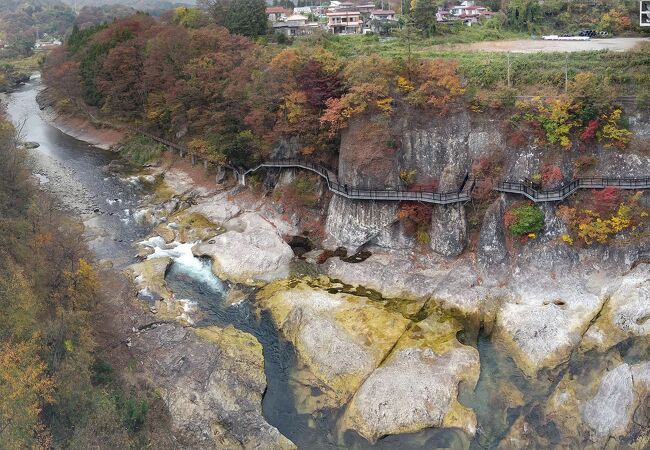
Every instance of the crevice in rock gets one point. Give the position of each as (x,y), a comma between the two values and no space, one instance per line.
(151,325)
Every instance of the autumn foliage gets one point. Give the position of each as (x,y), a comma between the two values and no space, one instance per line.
(209,88)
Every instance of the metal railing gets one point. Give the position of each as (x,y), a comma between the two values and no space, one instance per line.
(343,190)
(464,194)
(561,193)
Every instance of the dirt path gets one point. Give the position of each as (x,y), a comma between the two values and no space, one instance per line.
(537,45)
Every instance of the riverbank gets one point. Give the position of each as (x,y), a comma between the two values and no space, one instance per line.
(78,126)
(453,351)
(74,172)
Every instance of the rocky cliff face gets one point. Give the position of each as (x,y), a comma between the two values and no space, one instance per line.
(443,149)
(439,149)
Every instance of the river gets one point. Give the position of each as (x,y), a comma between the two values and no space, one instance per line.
(74,172)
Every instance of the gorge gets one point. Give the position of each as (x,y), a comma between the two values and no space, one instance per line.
(505,345)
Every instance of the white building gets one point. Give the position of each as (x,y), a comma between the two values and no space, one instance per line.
(277,13)
(344,22)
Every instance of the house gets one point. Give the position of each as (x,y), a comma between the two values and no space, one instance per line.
(296,25)
(365,9)
(381,21)
(277,13)
(302,10)
(45,45)
(382,14)
(467,11)
(344,22)
(341,6)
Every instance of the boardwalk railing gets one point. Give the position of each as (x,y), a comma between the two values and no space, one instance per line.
(463,195)
(343,190)
(561,193)
(333,184)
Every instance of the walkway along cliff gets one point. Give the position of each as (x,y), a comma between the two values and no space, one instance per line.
(526,189)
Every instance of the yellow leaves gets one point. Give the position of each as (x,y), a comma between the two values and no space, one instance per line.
(620,137)
(308,150)
(81,286)
(566,238)
(407,176)
(357,101)
(599,230)
(404,85)
(24,388)
(385,105)
(68,345)
(294,106)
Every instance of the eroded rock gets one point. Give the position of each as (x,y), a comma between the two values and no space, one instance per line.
(339,338)
(448,230)
(416,387)
(252,251)
(626,313)
(491,251)
(212,385)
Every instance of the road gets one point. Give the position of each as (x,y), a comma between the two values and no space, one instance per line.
(538,45)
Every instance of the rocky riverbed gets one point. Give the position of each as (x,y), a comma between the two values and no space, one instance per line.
(538,346)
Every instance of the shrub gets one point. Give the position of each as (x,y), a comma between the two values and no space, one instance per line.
(606,198)
(551,174)
(612,131)
(517,139)
(415,217)
(524,220)
(407,176)
(134,412)
(141,149)
(589,133)
(584,163)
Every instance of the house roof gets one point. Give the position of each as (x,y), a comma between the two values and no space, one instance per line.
(382,11)
(343,13)
(296,17)
(277,10)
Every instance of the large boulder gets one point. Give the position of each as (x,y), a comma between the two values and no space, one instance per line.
(416,387)
(212,385)
(452,283)
(603,405)
(251,251)
(339,338)
(543,319)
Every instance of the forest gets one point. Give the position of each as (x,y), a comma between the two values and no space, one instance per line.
(56,391)
(229,98)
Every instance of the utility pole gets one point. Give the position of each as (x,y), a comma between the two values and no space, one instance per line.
(566,73)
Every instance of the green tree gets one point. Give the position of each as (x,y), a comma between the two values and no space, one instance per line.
(424,16)
(247,17)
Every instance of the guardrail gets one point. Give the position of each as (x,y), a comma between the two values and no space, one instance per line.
(463,195)
(561,193)
(343,190)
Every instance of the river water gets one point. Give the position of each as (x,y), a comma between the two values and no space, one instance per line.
(73,171)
